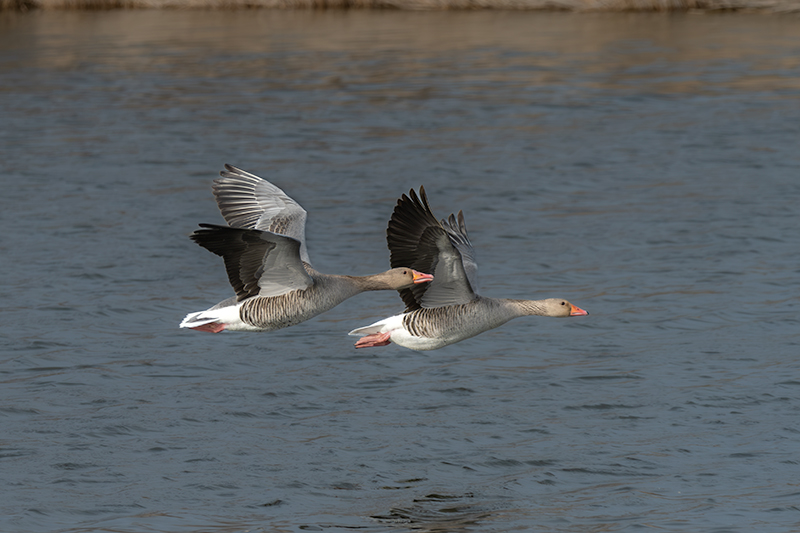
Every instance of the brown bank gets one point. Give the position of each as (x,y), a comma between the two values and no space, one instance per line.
(767,6)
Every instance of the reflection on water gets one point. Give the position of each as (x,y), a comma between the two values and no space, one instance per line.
(299,50)
(643,166)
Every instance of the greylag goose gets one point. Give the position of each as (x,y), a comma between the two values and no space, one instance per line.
(265,256)
(448,309)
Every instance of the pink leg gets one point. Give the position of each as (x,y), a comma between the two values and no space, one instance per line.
(213,327)
(376,339)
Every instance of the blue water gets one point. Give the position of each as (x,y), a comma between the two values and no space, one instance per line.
(646,167)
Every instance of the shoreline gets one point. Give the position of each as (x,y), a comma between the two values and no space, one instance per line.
(580,6)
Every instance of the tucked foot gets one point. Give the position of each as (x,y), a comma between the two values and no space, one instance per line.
(376,339)
(212,327)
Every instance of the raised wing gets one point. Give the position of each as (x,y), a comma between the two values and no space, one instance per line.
(249,202)
(257,262)
(419,241)
(456,229)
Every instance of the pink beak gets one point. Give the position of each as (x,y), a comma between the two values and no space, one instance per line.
(577,311)
(419,277)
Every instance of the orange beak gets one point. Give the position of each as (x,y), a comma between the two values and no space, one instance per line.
(419,277)
(577,311)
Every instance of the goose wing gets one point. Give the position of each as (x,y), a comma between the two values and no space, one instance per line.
(257,262)
(456,229)
(418,240)
(247,201)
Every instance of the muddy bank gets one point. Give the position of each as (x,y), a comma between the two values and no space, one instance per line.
(770,6)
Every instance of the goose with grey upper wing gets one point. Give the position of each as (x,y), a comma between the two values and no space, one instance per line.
(448,309)
(265,256)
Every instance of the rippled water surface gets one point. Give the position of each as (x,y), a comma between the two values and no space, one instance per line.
(646,167)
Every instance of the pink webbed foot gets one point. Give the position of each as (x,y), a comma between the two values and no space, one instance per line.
(212,327)
(376,339)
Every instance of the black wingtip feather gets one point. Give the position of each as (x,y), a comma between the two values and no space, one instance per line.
(408,238)
(242,251)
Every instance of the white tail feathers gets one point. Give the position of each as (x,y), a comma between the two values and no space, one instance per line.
(382,326)
(368,330)
(192,320)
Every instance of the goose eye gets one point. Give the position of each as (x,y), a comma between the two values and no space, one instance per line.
(563,303)
(405,272)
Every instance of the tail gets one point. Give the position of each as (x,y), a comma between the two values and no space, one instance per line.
(382,326)
(368,330)
(200,318)
(377,334)
(204,321)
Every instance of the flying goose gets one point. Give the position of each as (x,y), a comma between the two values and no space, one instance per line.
(448,309)
(265,256)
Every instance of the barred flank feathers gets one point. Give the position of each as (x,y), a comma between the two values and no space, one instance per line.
(435,321)
(277,312)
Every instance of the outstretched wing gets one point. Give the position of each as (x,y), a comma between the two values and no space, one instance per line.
(456,229)
(419,241)
(249,202)
(257,262)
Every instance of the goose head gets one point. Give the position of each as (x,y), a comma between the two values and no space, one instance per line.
(558,307)
(403,278)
